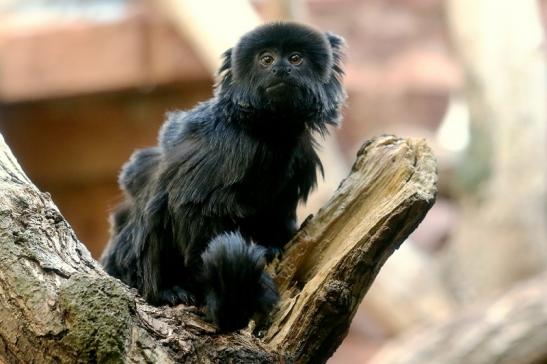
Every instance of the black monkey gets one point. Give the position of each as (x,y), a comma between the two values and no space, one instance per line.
(228,173)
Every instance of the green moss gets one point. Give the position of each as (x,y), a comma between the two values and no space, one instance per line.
(98,314)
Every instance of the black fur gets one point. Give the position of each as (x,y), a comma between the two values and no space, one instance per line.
(239,162)
(243,277)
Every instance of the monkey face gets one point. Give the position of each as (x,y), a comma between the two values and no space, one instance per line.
(282,76)
(287,67)
(281,65)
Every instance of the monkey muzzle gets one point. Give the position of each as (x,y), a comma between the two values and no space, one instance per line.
(276,87)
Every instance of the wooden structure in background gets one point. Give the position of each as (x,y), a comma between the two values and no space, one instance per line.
(61,56)
(74,147)
(212,26)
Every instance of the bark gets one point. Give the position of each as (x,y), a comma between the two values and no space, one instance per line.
(510,330)
(57,305)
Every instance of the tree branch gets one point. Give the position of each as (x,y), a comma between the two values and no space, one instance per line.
(509,330)
(334,259)
(56,303)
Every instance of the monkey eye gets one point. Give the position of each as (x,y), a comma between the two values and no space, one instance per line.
(295,59)
(267,60)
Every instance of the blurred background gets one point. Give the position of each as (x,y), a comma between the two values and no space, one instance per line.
(85,82)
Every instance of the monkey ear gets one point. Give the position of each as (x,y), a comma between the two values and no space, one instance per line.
(336,41)
(226,61)
(338,46)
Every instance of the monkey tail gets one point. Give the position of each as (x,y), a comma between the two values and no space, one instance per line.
(236,286)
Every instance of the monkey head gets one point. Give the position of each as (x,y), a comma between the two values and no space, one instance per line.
(286,68)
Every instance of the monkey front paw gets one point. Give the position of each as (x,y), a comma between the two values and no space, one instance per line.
(175,295)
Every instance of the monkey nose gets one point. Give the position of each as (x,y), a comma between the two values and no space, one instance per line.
(281,70)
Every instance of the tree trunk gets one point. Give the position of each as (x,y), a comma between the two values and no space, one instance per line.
(58,305)
(502,236)
(510,330)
